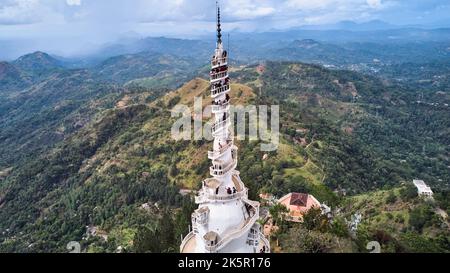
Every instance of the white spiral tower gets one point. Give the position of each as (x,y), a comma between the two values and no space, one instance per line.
(226,220)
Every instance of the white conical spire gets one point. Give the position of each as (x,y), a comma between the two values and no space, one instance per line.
(226,219)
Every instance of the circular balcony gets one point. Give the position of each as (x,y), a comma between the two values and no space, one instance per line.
(219,170)
(205,197)
(212,191)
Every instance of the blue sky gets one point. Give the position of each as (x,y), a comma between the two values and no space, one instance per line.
(97,21)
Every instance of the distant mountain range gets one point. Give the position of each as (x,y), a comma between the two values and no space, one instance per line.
(242,44)
(353,26)
(146,60)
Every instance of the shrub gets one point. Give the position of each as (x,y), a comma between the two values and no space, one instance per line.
(391,198)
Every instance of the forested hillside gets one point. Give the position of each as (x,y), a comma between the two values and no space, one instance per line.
(86,154)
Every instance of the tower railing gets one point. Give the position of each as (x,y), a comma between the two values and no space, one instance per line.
(219,62)
(219,76)
(265,242)
(216,154)
(215,171)
(221,108)
(218,126)
(253,236)
(186,240)
(207,197)
(220,90)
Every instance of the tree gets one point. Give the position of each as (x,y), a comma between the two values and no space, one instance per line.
(183,218)
(420,217)
(278,212)
(409,192)
(147,240)
(313,219)
(412,242)
(301,240)
(173,170)
(339,227)
(167,232)
(391,198)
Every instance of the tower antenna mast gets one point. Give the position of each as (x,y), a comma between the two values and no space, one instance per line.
(219,29)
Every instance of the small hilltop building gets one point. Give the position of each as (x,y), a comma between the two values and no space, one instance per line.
(423,189)
(298,205)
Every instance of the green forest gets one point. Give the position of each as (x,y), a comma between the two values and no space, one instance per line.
(87,159)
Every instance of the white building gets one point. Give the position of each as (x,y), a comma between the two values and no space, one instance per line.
(225,221)
(423,189)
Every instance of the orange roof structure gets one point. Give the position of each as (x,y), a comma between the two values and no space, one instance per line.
(298,204)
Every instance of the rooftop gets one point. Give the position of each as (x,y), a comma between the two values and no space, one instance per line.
(299,199)
(298,204)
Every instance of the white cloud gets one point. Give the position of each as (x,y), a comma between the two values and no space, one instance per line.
(174,17)
(118,12)
(308,4)
(73,2)
(249,9)
(253,13)
(374,3)
(19,12)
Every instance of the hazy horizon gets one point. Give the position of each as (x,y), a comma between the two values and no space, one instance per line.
(76,27)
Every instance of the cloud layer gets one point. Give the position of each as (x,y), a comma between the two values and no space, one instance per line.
(96,21)
(236,11)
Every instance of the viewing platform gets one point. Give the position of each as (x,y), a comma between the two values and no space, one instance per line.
(222,168)
(189,244)
(206,197)
(213,191)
